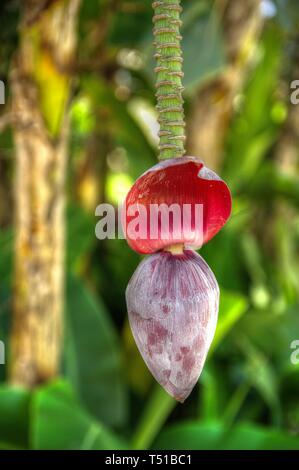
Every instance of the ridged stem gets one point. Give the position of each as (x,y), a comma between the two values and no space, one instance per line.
(168,55)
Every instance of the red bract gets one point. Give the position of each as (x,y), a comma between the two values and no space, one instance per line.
(179,181)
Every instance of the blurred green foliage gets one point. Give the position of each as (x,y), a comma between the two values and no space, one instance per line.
(247,396)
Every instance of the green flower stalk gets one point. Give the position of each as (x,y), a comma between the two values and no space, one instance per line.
(169,72)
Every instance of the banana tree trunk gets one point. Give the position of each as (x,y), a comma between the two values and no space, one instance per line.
(40,83)
(241,22)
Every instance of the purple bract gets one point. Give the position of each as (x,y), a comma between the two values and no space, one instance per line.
(172,303)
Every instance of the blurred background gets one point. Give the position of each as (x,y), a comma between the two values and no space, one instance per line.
(77,128)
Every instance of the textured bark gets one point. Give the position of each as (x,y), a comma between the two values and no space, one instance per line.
(47,44)
(213,106)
